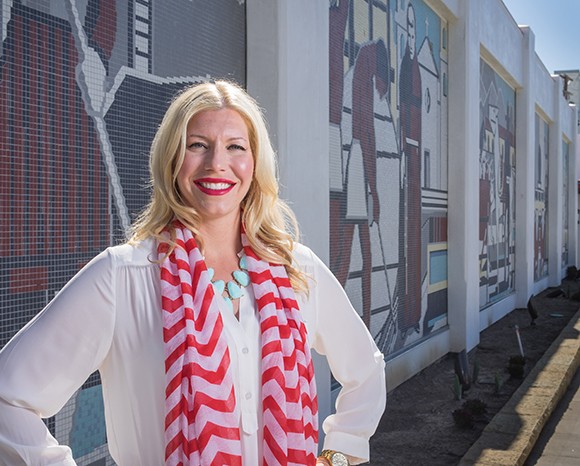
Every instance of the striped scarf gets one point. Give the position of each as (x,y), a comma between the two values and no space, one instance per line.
(202,421)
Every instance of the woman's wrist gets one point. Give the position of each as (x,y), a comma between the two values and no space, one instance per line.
(332,458)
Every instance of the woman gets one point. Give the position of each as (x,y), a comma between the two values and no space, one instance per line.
(201,325)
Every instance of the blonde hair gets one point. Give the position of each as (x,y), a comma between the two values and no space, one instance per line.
(270,225)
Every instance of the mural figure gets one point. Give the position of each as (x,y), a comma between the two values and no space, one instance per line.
(541,200)
(100,28)
(388,165)
(360,202)
(565,224)
(338,16)
(94,42)
(496,187)
(539,251)
(410,95)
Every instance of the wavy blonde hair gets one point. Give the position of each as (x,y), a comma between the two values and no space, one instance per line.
(269,223)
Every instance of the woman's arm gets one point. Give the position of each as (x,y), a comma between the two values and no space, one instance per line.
(49,359)
(355,362)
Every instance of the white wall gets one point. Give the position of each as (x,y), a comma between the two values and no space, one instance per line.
(501,38)
(288,74)
(463,236)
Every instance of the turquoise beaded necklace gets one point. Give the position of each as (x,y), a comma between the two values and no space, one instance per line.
(233,289)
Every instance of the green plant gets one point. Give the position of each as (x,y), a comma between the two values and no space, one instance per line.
(457,388)
(498,383)
(475,374)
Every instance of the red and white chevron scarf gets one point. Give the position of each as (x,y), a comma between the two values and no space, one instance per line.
(202,422)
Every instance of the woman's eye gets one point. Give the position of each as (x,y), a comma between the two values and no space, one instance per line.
(196,145)
(236,147)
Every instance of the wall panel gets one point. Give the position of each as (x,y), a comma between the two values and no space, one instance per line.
(80,102)
(497,178)
(388,165)
(541,177)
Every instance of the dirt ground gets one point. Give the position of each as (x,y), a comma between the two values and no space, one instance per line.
(417,428)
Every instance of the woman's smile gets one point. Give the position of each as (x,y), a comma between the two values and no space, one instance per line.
(214,186)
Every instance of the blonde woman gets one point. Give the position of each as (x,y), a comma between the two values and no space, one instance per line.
(201,324)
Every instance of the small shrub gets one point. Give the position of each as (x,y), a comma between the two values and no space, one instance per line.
(476,406)
(516,366)
(517,372)
(463,418)
(571,273)
(517,360)
(555,293)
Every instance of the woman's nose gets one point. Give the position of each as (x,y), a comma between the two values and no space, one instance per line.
(215,159)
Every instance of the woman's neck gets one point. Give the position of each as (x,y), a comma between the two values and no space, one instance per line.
(221,237)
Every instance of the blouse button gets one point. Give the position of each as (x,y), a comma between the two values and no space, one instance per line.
(245,350)
(248,395)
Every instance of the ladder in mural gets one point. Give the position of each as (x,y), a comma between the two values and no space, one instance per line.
(387,335)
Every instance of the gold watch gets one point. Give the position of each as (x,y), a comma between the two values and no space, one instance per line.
(335,458)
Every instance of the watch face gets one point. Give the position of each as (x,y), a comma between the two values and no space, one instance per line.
(338,459)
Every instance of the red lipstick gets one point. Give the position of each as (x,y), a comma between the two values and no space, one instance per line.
(214,186)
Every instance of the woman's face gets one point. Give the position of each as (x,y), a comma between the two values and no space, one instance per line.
(218,166)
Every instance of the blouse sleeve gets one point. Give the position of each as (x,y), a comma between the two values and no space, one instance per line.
(49,359)
(355,362)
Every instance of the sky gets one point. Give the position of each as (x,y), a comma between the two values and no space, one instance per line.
(556,27)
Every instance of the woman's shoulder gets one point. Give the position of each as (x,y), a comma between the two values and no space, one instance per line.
(305,257)
(314,266)
(302,253)
(137,254)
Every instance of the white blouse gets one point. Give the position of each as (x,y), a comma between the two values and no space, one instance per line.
(108,318)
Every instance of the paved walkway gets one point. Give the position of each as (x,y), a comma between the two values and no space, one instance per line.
(512,434)
(559,442)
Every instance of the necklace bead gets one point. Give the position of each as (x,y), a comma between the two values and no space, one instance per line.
(242,277)
(233,289)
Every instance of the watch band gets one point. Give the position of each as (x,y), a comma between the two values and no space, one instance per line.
(335,458)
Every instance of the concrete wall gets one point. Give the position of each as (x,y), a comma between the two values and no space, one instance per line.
(295,100)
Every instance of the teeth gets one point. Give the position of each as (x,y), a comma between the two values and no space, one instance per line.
(215,186)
